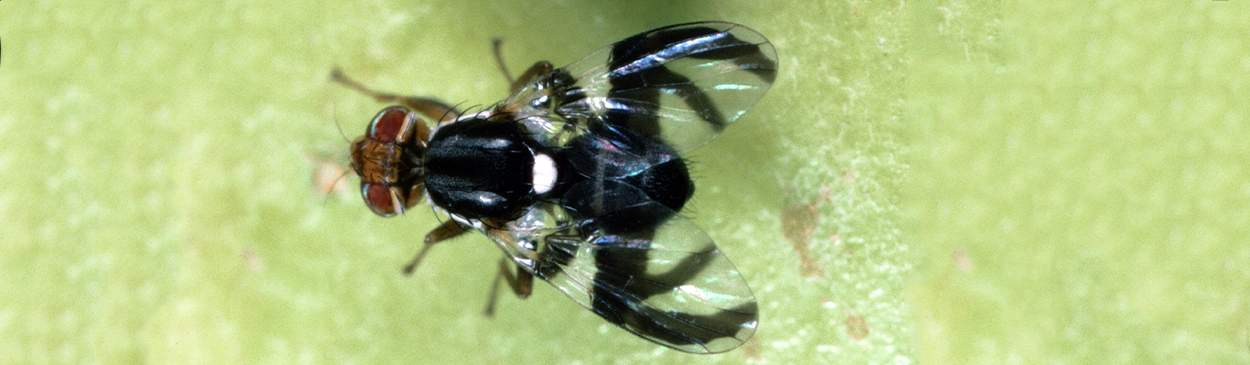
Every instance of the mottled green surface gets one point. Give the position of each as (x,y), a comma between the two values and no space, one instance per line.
(1069,182)
(156,203)
(1080,181)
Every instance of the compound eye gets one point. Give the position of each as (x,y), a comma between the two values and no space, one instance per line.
(390,124)
(381,199)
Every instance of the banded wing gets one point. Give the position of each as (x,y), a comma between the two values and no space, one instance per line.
(668,284)
(681,84)
(613,241)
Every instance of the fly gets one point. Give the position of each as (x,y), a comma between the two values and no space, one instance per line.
(578,177)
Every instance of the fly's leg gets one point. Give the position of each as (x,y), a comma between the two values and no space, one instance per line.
(430,108)
(496,44)
(538,69)
(448,230)
(522,284)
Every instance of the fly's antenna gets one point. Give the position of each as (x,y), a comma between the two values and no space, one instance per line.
(337,125)
(330,191)
(326,175)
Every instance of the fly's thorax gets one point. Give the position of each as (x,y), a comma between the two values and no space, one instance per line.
(479,168)
(578,177)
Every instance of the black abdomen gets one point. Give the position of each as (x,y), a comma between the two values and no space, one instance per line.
(632,183)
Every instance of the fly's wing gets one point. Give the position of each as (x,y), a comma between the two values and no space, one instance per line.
(681,84)
(668,283)
(675,289)
(635,105)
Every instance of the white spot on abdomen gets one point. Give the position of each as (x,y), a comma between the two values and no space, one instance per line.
(544,173)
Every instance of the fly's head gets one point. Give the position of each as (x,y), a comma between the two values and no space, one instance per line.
(388,160)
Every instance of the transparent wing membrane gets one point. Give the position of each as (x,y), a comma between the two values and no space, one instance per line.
(681,84)
(670,285)
(607,233)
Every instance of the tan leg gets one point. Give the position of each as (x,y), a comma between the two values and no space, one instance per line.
(538,69)
(522,285)
(496,44)
(448,230)
(430,108)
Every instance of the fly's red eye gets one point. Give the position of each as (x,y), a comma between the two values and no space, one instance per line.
(560,166)
(379,198)
(389,123)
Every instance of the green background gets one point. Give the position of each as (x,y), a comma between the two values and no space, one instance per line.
(1080,182)
(991,183)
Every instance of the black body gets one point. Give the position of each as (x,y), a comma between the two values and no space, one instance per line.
(625,182)
(479,169)
(483,169)
(608,232)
